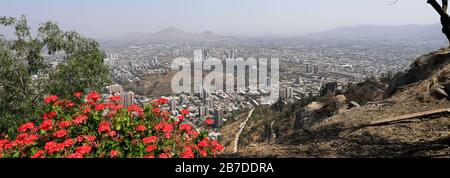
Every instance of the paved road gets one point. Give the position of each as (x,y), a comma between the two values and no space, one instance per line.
(241,128)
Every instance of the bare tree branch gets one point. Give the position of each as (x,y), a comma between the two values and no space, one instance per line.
(438,8)
(444,5)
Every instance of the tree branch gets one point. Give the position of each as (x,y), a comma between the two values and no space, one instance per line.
(438,8)
(444,5)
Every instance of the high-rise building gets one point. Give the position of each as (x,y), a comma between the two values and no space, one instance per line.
(115,89)
(183,98)
(299,80)
(209,102)
(127,99)
(287,94)
(218,118)
(173,104)
(202,112)
(316,69)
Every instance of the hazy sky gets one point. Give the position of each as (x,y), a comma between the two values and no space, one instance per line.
(230,17)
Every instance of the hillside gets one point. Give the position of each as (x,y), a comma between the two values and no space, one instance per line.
(429,33)
(170,34)
(371,130)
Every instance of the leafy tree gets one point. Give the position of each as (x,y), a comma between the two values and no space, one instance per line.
(26,78)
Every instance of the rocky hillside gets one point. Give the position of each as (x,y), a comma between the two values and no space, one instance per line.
(412,120)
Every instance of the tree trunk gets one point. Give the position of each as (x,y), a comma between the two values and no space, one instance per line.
(445,18)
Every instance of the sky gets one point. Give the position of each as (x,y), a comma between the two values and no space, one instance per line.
(99,18)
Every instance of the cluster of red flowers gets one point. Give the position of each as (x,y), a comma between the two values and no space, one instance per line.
(93,129)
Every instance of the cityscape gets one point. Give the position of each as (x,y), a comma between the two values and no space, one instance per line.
(223,79)
(140,71)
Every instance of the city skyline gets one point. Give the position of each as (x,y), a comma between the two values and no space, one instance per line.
(248,18)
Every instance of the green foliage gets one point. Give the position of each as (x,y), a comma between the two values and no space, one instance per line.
(25,78)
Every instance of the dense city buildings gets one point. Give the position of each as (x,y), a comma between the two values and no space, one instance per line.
(141,72)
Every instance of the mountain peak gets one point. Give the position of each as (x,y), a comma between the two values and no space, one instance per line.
(173,34)
(170,29)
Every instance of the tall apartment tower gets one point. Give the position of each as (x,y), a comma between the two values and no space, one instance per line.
(218,118)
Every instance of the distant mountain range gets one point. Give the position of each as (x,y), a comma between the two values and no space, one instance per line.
(382,32)
(426,33)
(172,34)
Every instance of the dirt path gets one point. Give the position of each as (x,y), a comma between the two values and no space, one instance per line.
(274,136)
(241,128)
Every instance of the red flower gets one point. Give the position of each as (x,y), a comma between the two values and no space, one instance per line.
(216,145)
(64,124)
(150,139)
(163,155)
(68,142)
(167,135)
(193,134)
(104,126)
(185,127)
(141,128)
(49,115)
(167,128)
(202,143)
(114,98)
(188,154)
(149,156)
(100,107)
(180,117)
(90,138)
(118,107)
(203,153)
(60,133)
(86,110)
(80,138)
(163,101)
(159,126)
(26,126)
(150,148)
(3,142)
(52,147)
(184,112)
(75,155)
(46,125)
(83,149)
(132,108)
(165,113)
(209,121)
(112,133)
(78,94)
(10,145)
(93,96)
(26,139)
(70,104)
(183,138)
(114,153)
(38,154)
(156,110)
(135,108)
(51,98)
(80,119)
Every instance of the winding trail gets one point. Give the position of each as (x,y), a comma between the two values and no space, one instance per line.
(241,128)
(274,136)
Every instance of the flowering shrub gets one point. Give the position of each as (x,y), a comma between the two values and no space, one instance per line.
(95,129)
